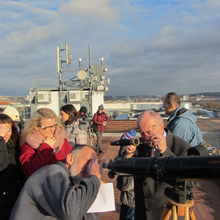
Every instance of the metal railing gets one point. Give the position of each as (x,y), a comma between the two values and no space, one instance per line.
(211,133)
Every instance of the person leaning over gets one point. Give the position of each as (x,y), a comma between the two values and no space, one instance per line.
(62,191)
(126,183)
(181,122)
(76,129)
(11,176)
(160,142)
(43,141)
(100,119)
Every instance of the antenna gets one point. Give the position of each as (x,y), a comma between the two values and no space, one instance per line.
(89,56)
(68,54)
(34,82)
(58,59)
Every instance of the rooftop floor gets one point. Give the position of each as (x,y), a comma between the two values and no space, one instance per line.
(206,194)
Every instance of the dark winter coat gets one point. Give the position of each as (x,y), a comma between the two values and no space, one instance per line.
(11,177)
(126,185)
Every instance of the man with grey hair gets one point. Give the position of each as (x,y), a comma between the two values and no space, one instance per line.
(157,141)
(181,122)
(62,191)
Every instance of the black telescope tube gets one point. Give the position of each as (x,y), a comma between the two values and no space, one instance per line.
(188,167)
(125,142)
(191,167)
(132,166)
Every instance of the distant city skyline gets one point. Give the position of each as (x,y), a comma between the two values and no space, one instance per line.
(150,47)
(118,97)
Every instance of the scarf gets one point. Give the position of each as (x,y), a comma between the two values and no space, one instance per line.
(35,139)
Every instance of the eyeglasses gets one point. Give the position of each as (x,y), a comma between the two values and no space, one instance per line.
(47,127)
(150,131)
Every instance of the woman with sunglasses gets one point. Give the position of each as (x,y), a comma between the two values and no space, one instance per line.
(43,142)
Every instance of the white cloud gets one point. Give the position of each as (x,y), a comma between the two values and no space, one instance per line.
(97,9)
(148,46)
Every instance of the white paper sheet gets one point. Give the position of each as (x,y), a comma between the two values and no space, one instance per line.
(105,200)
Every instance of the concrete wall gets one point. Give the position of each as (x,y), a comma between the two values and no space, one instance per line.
(127,105)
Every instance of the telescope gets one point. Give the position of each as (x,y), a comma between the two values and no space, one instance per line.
(125,142)
(175,171)
(161,168)
(179,172)
(192,166)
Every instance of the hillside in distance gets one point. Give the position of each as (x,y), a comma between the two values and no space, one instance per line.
(144,97)
(207,94)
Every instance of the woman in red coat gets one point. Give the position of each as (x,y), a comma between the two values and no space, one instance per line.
(43,142)
(101,119)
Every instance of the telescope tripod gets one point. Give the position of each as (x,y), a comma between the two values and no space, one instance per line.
(178,209)
(179,203)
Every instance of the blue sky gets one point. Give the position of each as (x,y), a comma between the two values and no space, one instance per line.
(150,47)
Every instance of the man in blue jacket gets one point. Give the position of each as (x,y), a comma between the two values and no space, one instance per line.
(182,122)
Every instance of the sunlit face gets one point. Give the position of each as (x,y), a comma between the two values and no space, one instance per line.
(7,128)
(148,127)
(78,170)
(167,107)
(47,127)
(100,111)
(64,116)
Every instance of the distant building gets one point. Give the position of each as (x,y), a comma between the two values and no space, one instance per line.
(185,98)
(4,104)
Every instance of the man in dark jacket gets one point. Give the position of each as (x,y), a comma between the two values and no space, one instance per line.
(62,191)
(182,122)
(157,141)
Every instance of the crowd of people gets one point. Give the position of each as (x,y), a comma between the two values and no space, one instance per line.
(47,169)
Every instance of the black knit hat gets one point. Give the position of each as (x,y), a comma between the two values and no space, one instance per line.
(83,109)
(101,107)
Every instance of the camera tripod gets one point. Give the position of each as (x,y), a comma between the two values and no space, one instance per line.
(179,203)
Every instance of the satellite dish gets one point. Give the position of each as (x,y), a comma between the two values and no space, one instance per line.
(82,74)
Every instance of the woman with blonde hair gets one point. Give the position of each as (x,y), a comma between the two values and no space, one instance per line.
(43,141)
